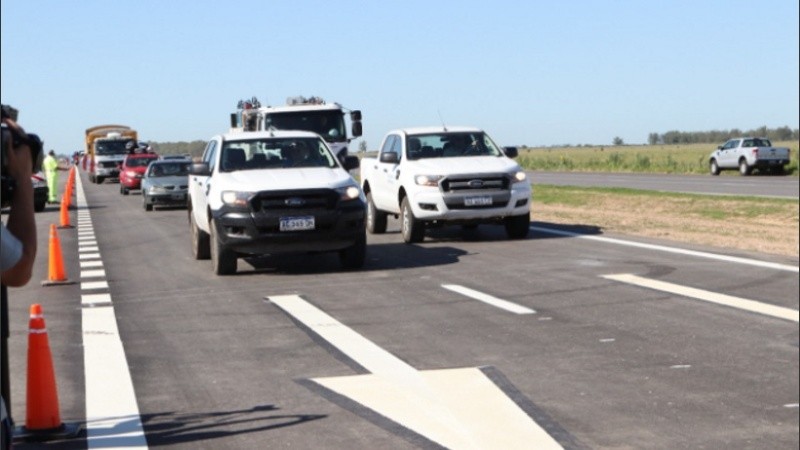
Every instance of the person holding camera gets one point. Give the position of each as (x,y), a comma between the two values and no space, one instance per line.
(17,241)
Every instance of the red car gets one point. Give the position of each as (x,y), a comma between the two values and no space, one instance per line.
(132,171)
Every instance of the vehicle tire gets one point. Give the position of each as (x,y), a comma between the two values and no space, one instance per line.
(146,203)
(353,257)
(413,230)
(200,244)
(99,180)
(39,206)
(376,220)
(223,260)
(744,169)
(518,227)
(714,167)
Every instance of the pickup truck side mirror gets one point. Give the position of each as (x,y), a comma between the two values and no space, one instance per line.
(201,169)
(389,157)
(357,129)
(511,152)
(719,147)
(351,162)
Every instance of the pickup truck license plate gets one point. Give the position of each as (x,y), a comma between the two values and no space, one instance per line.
(478,201)
(297,223)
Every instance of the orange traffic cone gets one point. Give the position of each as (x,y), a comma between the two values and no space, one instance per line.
(65,211)
(42,418)
(56,272)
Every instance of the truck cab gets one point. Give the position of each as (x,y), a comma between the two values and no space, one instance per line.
(106,149)
(300,113)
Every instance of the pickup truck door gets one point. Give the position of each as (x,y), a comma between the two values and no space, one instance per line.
(728,155)
(386,181)
(199,187)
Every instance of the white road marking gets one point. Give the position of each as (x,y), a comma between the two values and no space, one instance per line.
(680,251)
(431,403)
(90,285)
(792,405)
(82,249)
(88,264)
(488,299)
(99,273)
(713,297)
(112,413)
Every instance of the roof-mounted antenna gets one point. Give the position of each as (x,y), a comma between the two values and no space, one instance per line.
(440,118)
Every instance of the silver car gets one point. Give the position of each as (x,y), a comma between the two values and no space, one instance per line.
(165,183)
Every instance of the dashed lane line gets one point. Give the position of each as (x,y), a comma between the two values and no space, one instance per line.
(489,300)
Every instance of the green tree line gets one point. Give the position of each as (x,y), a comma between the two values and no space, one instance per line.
(194,148)
(707,137)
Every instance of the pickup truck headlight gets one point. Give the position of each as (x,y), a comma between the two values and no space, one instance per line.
(428,180)
(236,199)
(351,192)
(518,176)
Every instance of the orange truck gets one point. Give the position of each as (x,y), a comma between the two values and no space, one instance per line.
(106,149)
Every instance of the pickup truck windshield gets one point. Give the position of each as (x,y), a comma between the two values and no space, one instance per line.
(111,147)
(328,124)
(275,153)
(450,145)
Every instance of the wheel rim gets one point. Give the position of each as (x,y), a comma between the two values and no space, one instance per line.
(370,215)
(406,221)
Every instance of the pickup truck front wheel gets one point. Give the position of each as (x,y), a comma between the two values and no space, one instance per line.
(376,220)
(200,243)
(413,230)
(353,256)
(517,227)
(223,260)
(744,168)
(713,167)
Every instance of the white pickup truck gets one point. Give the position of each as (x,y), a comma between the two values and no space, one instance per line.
(747,154)
(439,176)
(271,192)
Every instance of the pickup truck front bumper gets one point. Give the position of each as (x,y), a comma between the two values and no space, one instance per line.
(471,206)
(257,232)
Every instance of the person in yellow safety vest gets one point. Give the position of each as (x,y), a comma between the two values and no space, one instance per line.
(50,166)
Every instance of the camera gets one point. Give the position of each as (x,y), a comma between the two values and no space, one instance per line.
(7,184)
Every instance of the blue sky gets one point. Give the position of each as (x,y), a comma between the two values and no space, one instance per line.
(528,72)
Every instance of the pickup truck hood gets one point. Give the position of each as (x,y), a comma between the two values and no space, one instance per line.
(459,165)
(281,179)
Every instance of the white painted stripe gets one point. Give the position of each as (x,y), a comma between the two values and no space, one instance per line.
(680,251)
(713,297)
(88,264)
(358,348)
(87,249)
(112,413)
(89,285)
(488,299)
(93,273)
(792,405)
(89,256)
(91,299)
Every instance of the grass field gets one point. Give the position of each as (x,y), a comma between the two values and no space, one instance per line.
(743,223)
(677,159)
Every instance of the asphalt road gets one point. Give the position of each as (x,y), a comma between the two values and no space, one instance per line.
(294,352)
(726,184)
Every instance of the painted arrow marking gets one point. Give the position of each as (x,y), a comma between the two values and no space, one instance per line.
(455,408)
